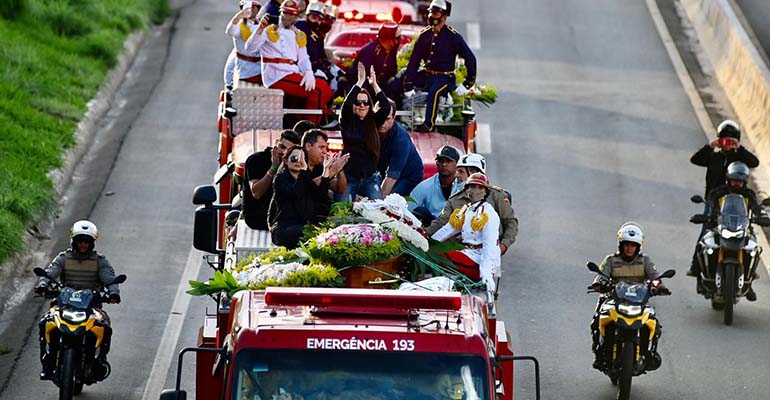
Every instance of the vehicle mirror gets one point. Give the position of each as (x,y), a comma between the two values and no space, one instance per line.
(397,15)
(593,267)
(118,280)
(204,194)
(172,394)
(668,274)
(699,219)
(40,272)
(762,220)
(696,199)
(766,202)
(205,229)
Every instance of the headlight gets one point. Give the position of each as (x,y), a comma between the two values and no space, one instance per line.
(629,310)
(731,235)
(73,316)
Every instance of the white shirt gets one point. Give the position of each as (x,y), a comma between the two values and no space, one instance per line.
(245,69)
(285,46)
(488,256)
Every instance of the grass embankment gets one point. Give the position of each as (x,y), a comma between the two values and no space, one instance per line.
(54,55)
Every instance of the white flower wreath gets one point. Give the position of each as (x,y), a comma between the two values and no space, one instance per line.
(393,213)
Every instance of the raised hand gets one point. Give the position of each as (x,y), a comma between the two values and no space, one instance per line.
(361,74)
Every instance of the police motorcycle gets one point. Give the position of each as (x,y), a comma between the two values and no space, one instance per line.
(627,328)
(75,329)
(729,254)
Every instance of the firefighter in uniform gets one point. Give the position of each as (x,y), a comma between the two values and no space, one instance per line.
(245,63)
(438,45)
(285,62)
(381,54)
(628,264)
(315,29)
(80,267)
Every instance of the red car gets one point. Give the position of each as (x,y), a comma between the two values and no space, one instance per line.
(346,39)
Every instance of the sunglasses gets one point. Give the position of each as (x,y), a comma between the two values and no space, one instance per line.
(294,158)
(361,103)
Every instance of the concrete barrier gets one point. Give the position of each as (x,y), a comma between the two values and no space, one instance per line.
(738,66)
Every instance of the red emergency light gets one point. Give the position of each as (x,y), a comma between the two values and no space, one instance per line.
(363,298)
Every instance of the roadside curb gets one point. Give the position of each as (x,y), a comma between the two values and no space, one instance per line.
(14,273)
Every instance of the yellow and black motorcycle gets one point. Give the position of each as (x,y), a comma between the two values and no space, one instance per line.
(74,331)
(627,329)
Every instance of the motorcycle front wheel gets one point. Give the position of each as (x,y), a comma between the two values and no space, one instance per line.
(67,385)
(728,292)
(628,356)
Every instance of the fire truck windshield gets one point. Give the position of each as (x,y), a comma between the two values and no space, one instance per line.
(320,375)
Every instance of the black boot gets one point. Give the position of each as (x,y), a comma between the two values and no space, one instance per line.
(694,269)
(751,295)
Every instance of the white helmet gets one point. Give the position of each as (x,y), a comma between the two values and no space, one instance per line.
(631,232)
(473,160)
(441,5)
(84,227)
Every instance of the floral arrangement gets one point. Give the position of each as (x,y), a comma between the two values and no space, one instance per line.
(292,274)
(359,244)
(393,213)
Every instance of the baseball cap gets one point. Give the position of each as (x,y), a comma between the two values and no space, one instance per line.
(448,152)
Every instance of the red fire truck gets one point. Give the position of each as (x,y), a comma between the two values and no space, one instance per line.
(324,343)
(339,343)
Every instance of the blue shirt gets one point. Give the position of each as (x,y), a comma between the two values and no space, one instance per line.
(399,158)
(439,52)
(428,194)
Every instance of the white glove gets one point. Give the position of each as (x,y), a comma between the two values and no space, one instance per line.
(461,90)
(409,94)
(320,74)
(308,81)
(335,70)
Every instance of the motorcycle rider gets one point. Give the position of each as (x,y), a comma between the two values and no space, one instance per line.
(80,267)
(722,151)
(628,264)
(737,180)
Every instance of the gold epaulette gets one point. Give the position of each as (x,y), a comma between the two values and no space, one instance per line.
(301,38)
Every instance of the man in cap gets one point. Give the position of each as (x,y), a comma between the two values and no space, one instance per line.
(431,194)
(468,165)
(381,54)
(285,63)
(314,26)
(244,64)
(437,46)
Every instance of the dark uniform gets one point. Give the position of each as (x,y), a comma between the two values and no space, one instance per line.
(316,50)
(439,51)
(385,66)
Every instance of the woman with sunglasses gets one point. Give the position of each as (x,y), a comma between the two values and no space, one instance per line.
(362,141)
(297,200)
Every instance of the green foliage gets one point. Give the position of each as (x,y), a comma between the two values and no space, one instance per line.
(221,282)
(54,55)
(313,275)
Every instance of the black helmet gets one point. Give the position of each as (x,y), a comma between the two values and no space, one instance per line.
(729,128)
(738,171)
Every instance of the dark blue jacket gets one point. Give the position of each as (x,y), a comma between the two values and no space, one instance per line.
(315,48)
(399,158)
(439,52)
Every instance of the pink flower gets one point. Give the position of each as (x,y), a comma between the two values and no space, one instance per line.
(367,240)
(334,240)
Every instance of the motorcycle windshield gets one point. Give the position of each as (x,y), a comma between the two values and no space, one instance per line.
(733,215)
(405,375)
(634,293)
(75,298)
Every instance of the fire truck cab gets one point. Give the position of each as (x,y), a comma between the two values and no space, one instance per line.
(339,343)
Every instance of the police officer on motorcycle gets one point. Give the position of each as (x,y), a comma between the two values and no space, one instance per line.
(627,264)
(737,181)
(79,267)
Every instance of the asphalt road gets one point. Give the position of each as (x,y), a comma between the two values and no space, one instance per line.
(591,129)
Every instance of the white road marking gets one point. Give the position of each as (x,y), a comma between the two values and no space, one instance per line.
(474,35)
(483,139)
(167,349)
(697,103)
